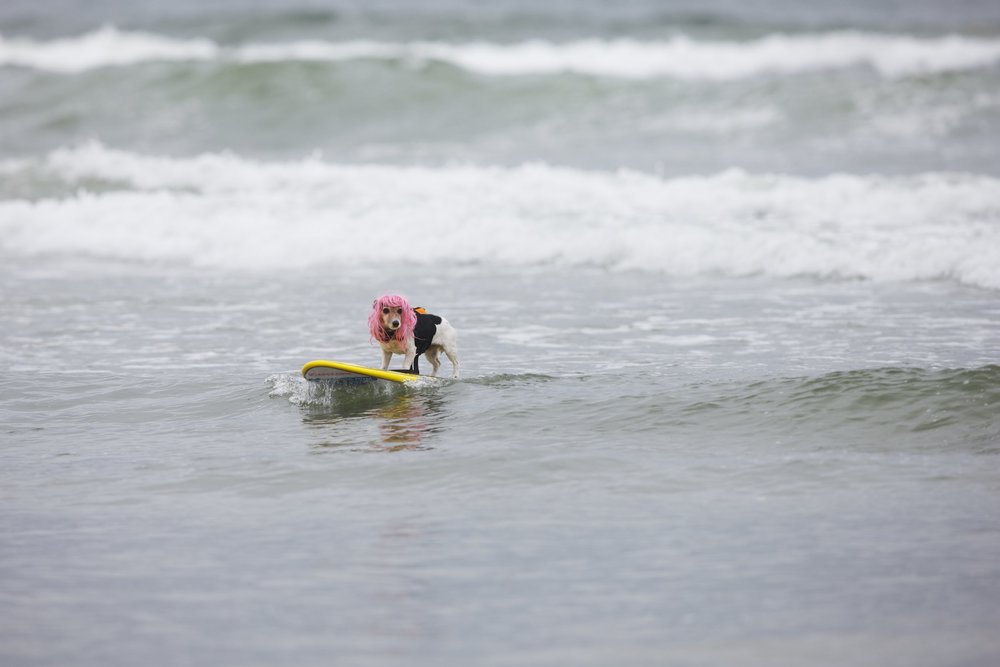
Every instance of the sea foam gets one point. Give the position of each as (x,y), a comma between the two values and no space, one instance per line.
(106,47)
(221,211)
(679,57)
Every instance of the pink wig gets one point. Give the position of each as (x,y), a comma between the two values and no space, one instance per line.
(407,321)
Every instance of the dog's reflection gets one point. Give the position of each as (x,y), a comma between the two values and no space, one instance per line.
(401,422)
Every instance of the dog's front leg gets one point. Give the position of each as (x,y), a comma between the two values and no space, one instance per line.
(408,360)
(409,355)
(386,358)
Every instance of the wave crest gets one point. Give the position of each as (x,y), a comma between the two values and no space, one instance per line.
(678,57)
(951,405)
(222,211)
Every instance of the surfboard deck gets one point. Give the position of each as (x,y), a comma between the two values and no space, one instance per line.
(339,372)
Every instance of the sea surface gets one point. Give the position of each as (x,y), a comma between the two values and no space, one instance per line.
(726,280)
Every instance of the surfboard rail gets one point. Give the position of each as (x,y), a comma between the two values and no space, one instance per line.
(324,369)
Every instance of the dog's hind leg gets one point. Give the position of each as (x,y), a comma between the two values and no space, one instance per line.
(432,356)
(452,355)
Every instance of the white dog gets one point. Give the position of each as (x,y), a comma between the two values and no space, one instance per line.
(400,329)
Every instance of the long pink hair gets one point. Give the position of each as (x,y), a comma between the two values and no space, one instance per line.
(407,321)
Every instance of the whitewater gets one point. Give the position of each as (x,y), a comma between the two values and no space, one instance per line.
(678,57)
(223,211)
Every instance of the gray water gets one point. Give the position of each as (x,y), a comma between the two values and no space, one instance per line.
(729,340)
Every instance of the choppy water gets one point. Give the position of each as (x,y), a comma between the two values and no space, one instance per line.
(726,285)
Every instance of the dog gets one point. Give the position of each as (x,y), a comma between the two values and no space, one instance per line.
(401,329)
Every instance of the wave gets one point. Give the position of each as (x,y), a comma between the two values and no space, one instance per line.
(949,405)
(678,57)
(226,212)
(105,47)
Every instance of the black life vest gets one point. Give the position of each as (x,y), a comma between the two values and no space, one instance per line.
(423,334)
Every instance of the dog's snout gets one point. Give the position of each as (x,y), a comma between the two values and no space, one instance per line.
(395,324)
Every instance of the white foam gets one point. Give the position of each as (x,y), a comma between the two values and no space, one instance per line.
(104,47)
(677,57)
(224,212)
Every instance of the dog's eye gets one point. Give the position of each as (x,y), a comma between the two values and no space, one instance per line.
(385,311)
(399,311)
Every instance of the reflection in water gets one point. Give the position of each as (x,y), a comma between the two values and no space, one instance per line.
(375,419)
(403,424)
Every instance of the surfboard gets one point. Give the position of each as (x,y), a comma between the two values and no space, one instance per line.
(339,372)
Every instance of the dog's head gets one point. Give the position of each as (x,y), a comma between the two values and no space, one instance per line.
(391,318)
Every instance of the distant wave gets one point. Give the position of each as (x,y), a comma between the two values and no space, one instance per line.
(223,211)
(677,57)
(106,47)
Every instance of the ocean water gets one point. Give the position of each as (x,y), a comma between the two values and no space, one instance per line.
(726,278)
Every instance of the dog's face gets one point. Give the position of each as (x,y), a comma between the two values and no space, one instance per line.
(392,318)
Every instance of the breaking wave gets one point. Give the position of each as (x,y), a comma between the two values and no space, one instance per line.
(225,212)
(679,57)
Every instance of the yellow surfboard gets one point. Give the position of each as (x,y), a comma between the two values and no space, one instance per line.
(340,372)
